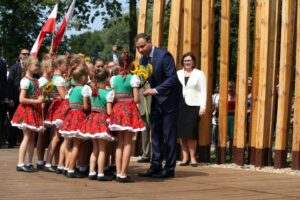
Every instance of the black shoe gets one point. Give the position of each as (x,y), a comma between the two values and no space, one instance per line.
(127,179)
(143,160)
(59,171)
(93,177)
(74,175)
(40,166)
(65,172)
(30,168)
(149,173)
(164,174)
(23,169)
(194,164)
(104,178)
(49,169)
(183,163)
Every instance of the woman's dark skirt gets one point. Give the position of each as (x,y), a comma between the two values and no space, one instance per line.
(188,122)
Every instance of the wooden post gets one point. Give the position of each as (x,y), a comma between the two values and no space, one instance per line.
(191,31)
(174,30)
(207,68)
(285,70)
(157,22)
(274,24)
(141,22)
(223,87)
(255,77)
(296,130)
(265,81)
(242,83)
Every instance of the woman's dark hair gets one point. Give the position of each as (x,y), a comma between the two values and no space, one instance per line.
(125,61)
(186,55)
(101,76)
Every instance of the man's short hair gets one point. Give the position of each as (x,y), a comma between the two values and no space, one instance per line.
(142,35)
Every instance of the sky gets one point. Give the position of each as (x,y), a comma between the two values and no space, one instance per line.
(97,25)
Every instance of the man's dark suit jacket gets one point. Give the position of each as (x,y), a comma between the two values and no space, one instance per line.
(3,80)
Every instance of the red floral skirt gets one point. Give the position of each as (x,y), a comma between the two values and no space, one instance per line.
(95,126)
(72,123)
(28,117)
(125,116)
(57,112)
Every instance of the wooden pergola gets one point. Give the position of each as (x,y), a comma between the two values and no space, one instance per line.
(192,29)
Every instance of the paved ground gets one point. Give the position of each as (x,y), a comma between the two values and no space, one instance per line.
(190,183)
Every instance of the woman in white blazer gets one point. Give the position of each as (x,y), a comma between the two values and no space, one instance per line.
(194,92)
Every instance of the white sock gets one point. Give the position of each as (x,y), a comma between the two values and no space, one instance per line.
(123,176)
(20,165)
(28,164)
(60,167)
(100,175)
(40,162)
(66,169)
(92,173)
(118,175)
(47,165)
(71,171)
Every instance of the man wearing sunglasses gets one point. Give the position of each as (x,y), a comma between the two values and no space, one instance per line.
(15,75)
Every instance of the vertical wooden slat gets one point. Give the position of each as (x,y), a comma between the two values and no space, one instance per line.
(207,68)
(296,130)
(224,74)
(174,30)
(255,77)
(157,22)
(242,83)
(285,70)
(265,81)
(141,22)
(274,24)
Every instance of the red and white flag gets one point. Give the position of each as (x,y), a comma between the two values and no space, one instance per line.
(60,33)
(49,27)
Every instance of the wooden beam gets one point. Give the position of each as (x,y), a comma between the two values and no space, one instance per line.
(285,71)
(174,30)
(157,22)
(296,130)
(224,75)
(255,77)
(242,83)
(207,68)
(265,81)
(141,28)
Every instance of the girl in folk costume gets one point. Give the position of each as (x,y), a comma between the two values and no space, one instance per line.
(47,72)
(28,115)
(125,117)
(79,102)
(58,108)
(95,126)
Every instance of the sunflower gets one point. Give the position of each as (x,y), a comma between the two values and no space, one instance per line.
(150,68)
(48,87)
(135,67)
(143,74)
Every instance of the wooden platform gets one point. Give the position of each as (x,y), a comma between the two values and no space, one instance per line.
(190,183)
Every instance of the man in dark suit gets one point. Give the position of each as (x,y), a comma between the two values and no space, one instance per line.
(166,92)
(16,73)
(3,96)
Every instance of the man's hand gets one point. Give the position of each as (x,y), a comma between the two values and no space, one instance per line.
(201,112)
(149,91)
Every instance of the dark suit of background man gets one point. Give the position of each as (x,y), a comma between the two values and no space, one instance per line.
(14,78)
(166,92)
(3,96)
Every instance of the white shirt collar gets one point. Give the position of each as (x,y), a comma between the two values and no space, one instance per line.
(152,51)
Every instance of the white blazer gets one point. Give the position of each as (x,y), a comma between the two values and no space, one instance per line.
(194,92)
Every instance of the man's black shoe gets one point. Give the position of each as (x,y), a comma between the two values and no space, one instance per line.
(149,173)
(143,160)
(164,174)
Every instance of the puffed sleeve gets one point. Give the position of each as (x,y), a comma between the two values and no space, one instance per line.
(110,96)
(135,81)
(111,81)
(86,91)
(59,81)
(42,82)
(24,84)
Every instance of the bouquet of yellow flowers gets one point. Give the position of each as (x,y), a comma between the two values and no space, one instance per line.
(143,72)
(47,88)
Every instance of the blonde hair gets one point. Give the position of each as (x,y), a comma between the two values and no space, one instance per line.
(46,63)
(59,61)
(79,72)
(29,61)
